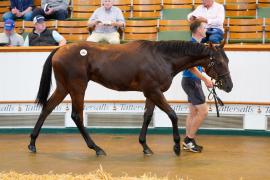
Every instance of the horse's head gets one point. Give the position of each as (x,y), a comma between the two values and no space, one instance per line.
(217,68)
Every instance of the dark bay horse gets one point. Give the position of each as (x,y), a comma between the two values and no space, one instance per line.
(144,66)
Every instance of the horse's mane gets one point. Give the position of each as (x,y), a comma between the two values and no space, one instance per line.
(185,48)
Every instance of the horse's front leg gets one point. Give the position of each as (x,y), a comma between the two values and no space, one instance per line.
(149,108)
(157,97)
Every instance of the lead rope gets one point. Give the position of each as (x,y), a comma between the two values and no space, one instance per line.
(213,95)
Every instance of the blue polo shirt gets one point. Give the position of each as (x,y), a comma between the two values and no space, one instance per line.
(21,5)
(187,73)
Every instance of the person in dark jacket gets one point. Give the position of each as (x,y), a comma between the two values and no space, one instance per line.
(20,9)
(41,36)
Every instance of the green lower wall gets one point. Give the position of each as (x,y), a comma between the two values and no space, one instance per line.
(135,131)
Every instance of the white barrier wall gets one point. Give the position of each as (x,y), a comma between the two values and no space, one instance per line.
(20,75)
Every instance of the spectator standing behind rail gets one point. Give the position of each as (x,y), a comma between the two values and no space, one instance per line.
(213,14)
(20,9)
(105,21)
(41,36)
(52,9)
(9,37)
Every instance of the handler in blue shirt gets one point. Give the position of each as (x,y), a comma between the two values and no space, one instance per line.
(191,83)
(20,9)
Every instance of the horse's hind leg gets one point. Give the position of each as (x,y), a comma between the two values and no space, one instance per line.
(158,99)
(77,96)
(149,108)
(56,98)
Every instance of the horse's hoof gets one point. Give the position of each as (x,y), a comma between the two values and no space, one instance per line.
(148,152)
(177,150)
(32,148)
(100,152)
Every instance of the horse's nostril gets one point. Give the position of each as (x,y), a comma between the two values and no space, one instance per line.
(228,89)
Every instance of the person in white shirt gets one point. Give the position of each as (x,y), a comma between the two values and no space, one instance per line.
(213,14)
(9,37)
(105,21)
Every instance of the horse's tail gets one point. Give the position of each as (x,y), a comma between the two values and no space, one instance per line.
(45,81)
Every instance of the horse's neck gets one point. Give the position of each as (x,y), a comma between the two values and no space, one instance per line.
(182,55)
(185,62)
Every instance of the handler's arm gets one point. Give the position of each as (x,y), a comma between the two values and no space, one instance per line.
(199,75)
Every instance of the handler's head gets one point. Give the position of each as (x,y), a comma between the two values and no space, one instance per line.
(198,28)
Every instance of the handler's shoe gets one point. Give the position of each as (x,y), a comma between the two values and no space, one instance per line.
(190,145)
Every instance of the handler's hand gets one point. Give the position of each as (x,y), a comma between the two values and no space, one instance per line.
(208,83)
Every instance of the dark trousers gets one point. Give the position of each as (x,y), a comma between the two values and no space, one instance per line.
(213,35)
(59,15)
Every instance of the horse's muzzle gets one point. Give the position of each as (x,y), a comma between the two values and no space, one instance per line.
(225,84)
(228,89)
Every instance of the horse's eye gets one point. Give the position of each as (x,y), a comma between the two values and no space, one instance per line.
(218,63)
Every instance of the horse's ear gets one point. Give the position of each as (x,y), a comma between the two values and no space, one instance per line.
(222,44)
(211,45)
(224,39)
